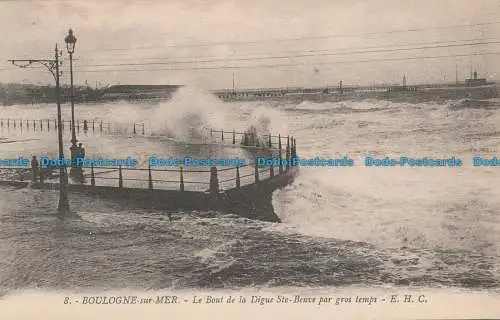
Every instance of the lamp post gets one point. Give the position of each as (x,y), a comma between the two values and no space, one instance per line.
(70,45)
(53,66)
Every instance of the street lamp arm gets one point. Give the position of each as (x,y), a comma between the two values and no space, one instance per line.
(50,64)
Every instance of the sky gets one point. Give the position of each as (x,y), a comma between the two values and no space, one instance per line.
(258,43)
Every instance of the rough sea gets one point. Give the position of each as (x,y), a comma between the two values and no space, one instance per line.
(341,226)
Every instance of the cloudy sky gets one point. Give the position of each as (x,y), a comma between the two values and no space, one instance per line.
(264,43)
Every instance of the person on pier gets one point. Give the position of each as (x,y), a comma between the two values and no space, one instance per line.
(81,151)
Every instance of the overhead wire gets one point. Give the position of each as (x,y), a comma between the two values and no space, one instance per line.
(304,38)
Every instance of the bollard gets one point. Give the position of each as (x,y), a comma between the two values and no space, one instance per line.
(41,125)
(93,125)
(150,178)
(214,181)
(280,155)
(120,177)
(222,133)
(143,129)
(134,130)
(256,171)
(234,137)
(270,143)
(34,125)
(182,180)
(92,175)
(34,174)
(48,124)
(100,126)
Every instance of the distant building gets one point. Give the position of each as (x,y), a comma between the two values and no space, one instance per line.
(475,81)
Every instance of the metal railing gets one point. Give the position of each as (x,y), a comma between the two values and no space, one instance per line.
(88,126)
(248,139)
(211,179)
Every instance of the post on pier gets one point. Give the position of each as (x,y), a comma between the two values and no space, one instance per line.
(288,153)
(85,126)
(100,126)
(133,131)
(34,125)
(41,125)
(270,144)
(92,175)
(143,129)
(214,182)
(294,148)
(222,134)
(93,125)
(120,177)
(181,179)
(238,182)
(280,155)
(150,178)
(234,137)
(256,171)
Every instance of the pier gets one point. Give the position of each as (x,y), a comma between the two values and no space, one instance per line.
(245,190)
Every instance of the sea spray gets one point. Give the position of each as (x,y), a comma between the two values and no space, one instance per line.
(189,115)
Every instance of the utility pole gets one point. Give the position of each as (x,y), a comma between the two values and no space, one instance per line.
(53,66)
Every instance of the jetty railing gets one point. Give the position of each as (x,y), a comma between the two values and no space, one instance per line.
(88,126)
(213,179)
(239,138)
(210,135)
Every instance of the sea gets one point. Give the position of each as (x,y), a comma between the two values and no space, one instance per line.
(342,227)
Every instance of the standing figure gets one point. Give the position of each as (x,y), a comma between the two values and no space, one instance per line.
(81,151)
